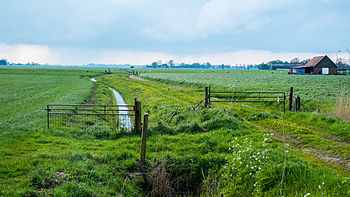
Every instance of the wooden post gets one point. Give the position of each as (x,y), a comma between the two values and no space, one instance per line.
(298,103)
(291,99)
(206,97)
(295,104)
(137,125)
(209,97)
(144,138)
(284,102)
(48,116)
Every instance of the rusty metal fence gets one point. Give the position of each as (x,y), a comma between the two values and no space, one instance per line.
(94,117)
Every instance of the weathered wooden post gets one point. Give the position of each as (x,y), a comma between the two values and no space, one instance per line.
(206,97)
(284,102)
(137,116)
(291,99)
(144,138)
(48,116)
(209,96)
(298,103)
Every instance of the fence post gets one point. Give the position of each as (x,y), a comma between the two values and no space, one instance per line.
(137,116)
(291,99)
(209,96)
(284,102)
(144,138)
(48,116)
(206,97)
(298,103)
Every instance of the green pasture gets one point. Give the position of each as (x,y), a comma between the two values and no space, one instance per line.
(316,91)
(222,151)
(252,129)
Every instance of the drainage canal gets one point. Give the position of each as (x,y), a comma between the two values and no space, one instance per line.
(124,121)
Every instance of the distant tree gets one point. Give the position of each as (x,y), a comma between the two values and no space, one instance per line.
(295,60)
(171,63)
(208,65)
(3,62)
(305,61)
(154,64)
(264,66)
(276,62)
(132,67)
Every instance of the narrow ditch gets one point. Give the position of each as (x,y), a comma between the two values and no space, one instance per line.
(124,119)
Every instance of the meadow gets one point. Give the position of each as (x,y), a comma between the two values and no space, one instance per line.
(228,150)
(316,91)
(244,132)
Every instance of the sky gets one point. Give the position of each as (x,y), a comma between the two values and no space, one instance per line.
(139,32)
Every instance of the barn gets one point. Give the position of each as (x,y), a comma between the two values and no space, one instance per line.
(317,65)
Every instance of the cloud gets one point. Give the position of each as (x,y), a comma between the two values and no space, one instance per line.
(27,53)
(210,18)
(43,54)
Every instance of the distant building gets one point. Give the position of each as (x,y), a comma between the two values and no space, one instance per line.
(317,65)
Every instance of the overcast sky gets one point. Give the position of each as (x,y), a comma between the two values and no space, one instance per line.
(142,31)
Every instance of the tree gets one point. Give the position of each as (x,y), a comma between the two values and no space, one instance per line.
(171,63)
(263,66)
(154,64)
(3,62)
(295,60)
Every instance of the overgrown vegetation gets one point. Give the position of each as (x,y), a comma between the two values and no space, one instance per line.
(343,107)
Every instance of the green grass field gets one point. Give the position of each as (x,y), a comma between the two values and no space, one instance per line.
(316,91)
(226,150)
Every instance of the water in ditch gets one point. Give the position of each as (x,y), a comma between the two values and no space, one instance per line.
(124,120)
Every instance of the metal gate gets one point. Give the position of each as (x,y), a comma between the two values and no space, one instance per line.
(94,117)
(247,97)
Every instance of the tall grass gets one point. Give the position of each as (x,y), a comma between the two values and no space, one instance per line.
(343,107)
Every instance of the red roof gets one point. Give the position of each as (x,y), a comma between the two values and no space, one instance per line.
(313,62)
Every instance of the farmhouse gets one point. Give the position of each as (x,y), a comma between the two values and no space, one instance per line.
(317,65)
